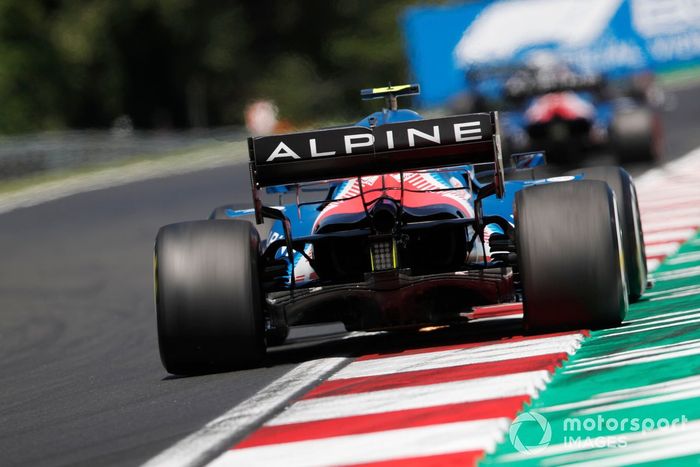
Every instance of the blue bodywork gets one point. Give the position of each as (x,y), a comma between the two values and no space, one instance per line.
(389,116)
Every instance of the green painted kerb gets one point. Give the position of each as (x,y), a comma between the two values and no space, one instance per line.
(630,395)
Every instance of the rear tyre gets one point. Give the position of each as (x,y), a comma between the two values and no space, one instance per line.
(622,185)
(569,256)
(273,336)
(208,299)
(635,135)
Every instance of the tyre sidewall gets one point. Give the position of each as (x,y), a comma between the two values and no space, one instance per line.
(208,298)
(570,258)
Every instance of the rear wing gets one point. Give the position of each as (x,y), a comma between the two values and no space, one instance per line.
(355,151)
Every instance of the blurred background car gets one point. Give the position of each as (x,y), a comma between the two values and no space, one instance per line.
(549,105)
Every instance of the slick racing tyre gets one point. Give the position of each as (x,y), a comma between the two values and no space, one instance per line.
(208,299)
(621,184)
(569,256)
(635,135)
(276,335)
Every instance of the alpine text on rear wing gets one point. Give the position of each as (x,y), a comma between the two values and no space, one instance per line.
(356,150)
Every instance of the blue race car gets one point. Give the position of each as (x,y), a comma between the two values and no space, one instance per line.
(549,105)
(396,222)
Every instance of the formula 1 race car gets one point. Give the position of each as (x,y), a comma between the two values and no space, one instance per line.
(414,222)
(551,106)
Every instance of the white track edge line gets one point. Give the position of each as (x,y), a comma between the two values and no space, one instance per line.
(221,433)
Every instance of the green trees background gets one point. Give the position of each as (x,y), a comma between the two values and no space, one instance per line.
(185,63)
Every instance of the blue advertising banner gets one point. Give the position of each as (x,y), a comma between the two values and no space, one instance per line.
(614,37)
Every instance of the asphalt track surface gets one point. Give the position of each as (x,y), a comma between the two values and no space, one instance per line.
(80,378)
